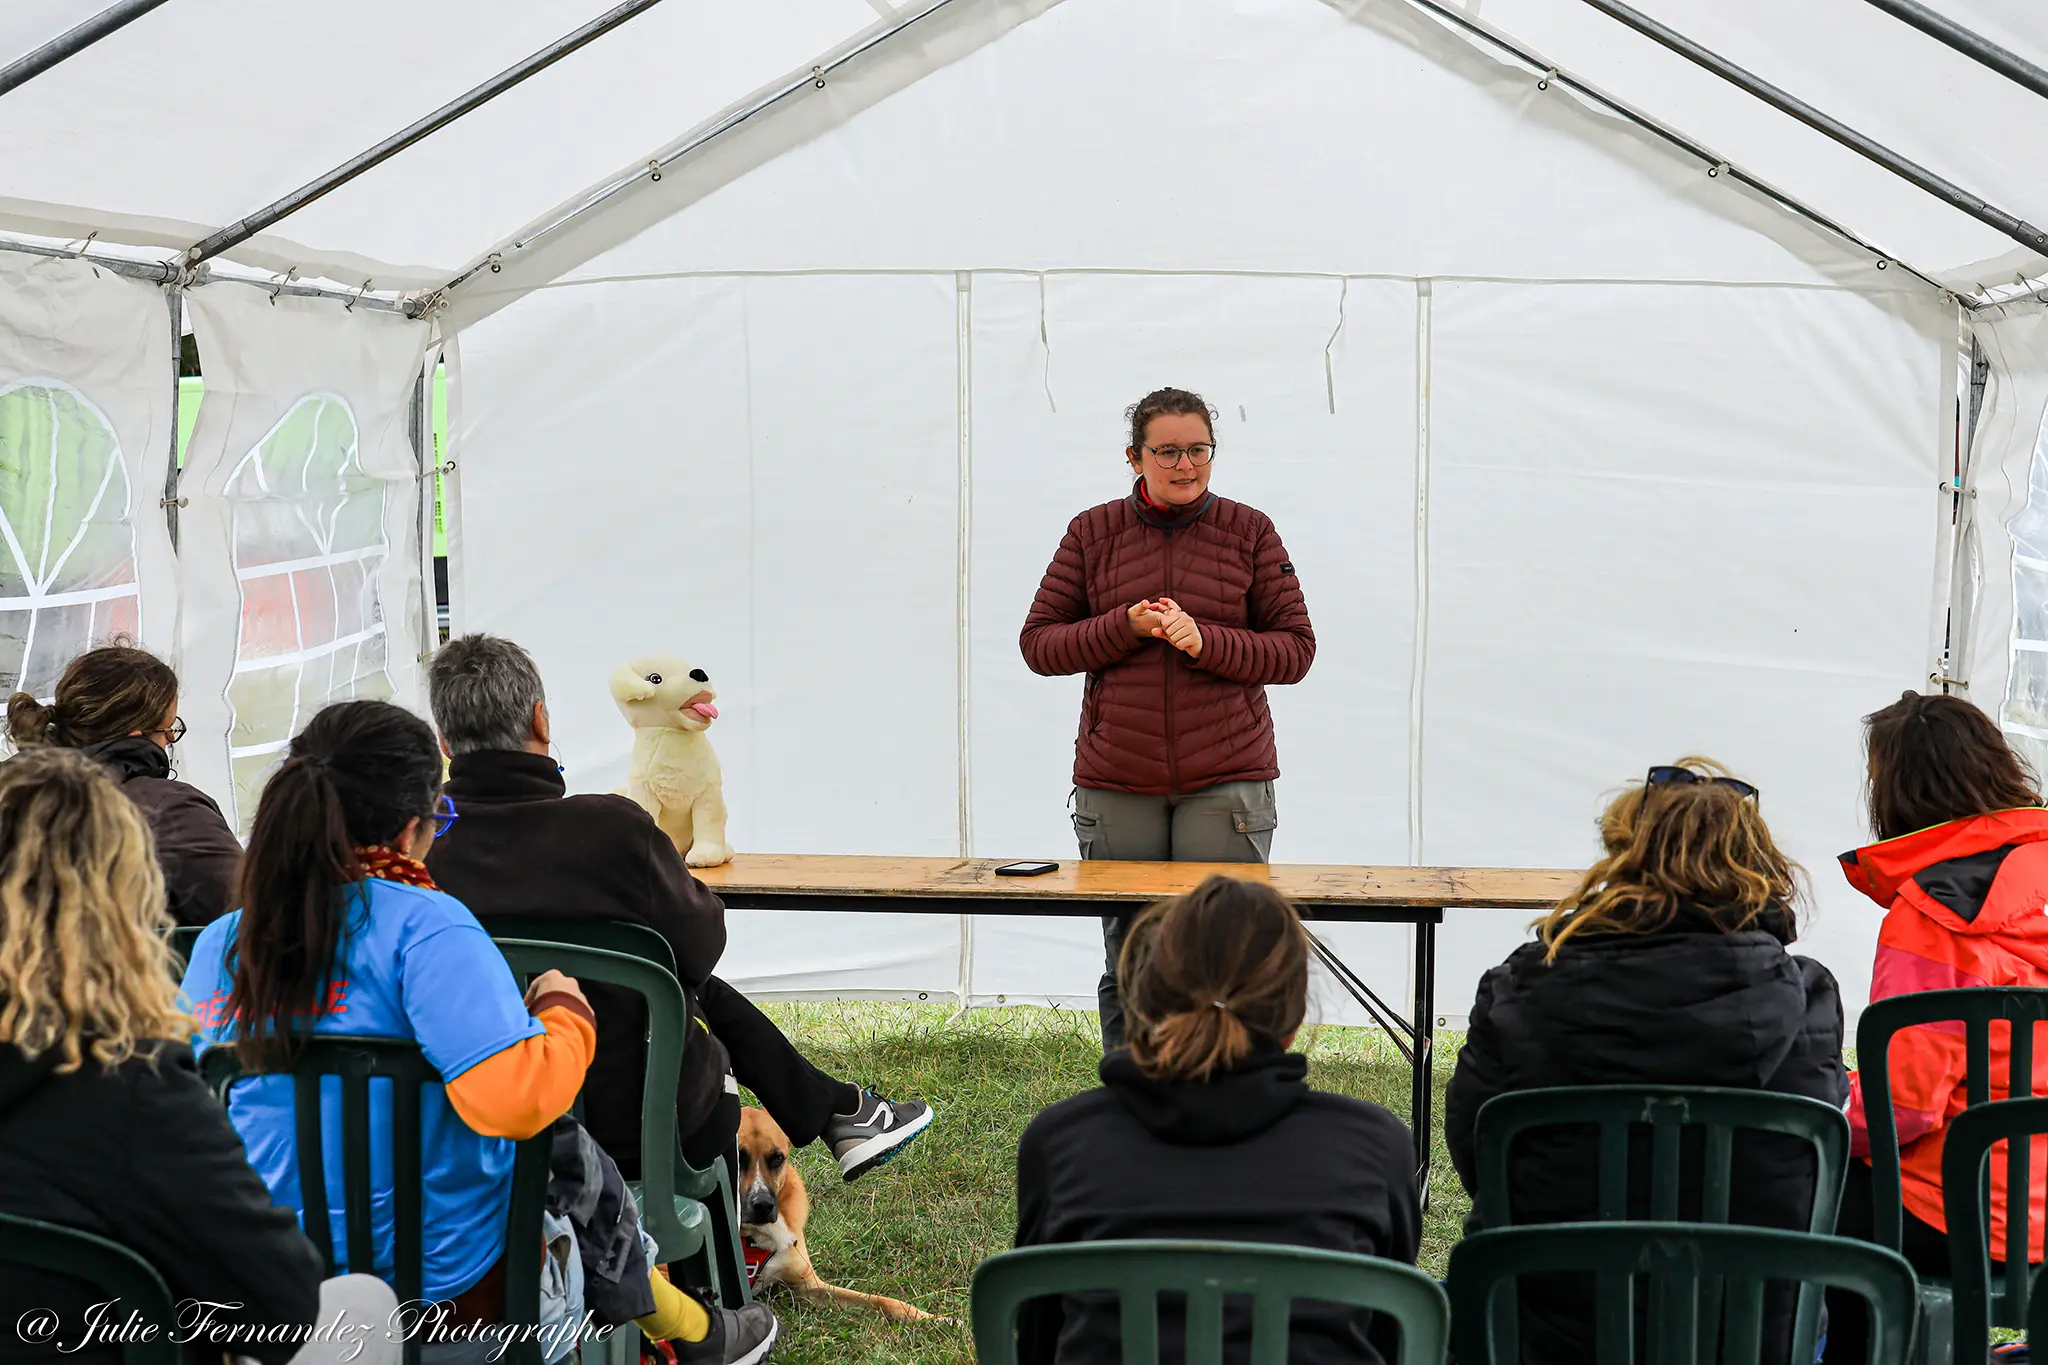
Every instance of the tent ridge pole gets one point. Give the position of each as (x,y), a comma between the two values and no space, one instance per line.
(2025,233)
(1971,44)
(1458,19)
(265,217)
(73,41)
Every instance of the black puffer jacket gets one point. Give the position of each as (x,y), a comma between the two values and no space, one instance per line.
(143,1155)
(1252,1155)
(1689,1006)
(197,851)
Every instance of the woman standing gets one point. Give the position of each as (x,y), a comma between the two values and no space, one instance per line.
(1181,607)
(120,706)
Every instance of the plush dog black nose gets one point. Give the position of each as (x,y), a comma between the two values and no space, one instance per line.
(699,675)
(758,1209)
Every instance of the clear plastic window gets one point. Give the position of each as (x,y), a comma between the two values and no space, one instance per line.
(67,549)
(309,540)
(2025,714)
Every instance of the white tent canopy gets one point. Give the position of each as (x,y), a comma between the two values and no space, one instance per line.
(1611,412)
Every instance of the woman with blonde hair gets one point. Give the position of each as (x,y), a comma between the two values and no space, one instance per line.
(1206,1127)
(104,1124)
(1667,966)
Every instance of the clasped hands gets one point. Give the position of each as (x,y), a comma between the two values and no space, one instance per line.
(1164,620)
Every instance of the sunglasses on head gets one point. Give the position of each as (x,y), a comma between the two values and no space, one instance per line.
(1671,775)
(444,816)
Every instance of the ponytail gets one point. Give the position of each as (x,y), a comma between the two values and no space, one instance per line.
(356,776)
(1212,977)
(299,855)
(30,724)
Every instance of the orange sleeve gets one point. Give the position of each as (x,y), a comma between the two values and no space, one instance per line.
(519,1091)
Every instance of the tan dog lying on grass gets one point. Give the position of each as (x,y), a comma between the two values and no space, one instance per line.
(773,1210)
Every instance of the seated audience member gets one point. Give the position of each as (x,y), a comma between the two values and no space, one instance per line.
(1962,873)
(104,1124)
(1205,1127)
(1668,966)
(523,846)
(120,705)
(342,931)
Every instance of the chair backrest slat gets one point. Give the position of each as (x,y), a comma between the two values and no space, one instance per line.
(1679,1260)
(1272,1277)
(113,1270)
(1613,1172)
(355,1171)
(408,1187)
(1966,1155)
(311,1152)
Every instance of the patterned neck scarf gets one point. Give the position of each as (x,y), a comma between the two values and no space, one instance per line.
(388,864)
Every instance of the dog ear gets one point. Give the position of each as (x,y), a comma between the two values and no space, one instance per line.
(630,686)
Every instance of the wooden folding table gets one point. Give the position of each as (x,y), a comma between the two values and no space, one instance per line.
(1415,896)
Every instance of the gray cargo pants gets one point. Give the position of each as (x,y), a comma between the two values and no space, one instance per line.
(1232,822)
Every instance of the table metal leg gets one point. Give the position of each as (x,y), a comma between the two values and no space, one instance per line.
(1422,1082)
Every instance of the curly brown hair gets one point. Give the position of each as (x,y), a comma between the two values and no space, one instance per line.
(1698,844)
(84,961)
(1165,402)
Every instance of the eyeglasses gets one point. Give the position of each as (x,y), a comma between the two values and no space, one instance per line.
(1169,456)
(444,816)
(172,733)
(1669,775)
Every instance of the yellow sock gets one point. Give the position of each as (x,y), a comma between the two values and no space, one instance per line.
(676,1316)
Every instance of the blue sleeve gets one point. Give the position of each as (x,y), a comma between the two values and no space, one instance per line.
(461,1000)
(205,986)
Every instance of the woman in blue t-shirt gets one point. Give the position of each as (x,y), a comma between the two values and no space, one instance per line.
(342,931)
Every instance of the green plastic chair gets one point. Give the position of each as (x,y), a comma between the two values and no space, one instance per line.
(691,1213)
(1976,1009)
(354,1061)
(111,1269)
(1667,1111)
(1965,1193)
(2037,1317)
(1139,1271)
(1705,1297)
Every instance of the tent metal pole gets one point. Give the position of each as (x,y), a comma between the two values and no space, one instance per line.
(236,233)
(71,43)
(2025,233)
(1973,45)
(1564,80)
(812,77)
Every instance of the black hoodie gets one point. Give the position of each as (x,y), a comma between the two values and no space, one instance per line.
(199,854)
(144,1156)
(1689,1006)
(1252,1155)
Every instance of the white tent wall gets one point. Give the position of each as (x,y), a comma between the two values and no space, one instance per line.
(87,384)
(765,482)
(1730,552)
(299,561)
(1654,358)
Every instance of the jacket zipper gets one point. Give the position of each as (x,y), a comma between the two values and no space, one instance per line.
(1169,656)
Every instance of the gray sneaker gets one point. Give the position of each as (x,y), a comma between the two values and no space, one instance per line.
(875,1132)
(742,1336)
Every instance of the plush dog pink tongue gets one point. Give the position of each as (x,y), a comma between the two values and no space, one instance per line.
(706,710)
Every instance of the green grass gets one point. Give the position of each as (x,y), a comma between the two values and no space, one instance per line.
(916,1228)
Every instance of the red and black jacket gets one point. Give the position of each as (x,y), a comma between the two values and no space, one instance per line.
(1966,905)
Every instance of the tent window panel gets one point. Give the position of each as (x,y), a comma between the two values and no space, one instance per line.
(67,549)
(309,539)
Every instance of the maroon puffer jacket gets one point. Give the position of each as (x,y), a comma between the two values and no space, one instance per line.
(1154,721)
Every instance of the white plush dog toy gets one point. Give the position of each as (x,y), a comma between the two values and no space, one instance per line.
(674,773)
